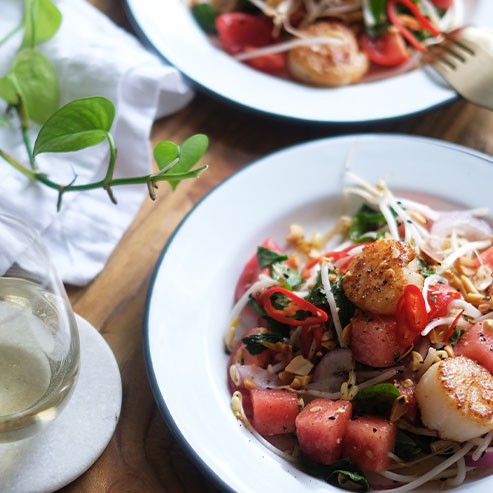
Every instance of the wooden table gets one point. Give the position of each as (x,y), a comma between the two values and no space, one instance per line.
(143,455)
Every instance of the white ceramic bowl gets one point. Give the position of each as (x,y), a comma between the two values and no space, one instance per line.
(191,293)
(169,27)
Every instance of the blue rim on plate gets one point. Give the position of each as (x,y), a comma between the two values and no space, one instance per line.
(160,399)
(169,28)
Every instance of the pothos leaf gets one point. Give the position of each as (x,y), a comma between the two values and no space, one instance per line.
(7,90)
(189,154)
(36,83)
(41,21)
(79,124)
(165,153)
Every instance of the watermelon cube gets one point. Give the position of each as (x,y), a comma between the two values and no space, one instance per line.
(368,441)
(320,428)
(373,339)
(477,344)
(274,411)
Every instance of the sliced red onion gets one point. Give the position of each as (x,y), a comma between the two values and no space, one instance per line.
(466,225)
(486,460)
(423,346)
(333,368)
(259,376)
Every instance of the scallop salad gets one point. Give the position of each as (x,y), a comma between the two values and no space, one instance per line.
(364,355)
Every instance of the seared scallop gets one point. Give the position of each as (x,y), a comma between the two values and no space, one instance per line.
(329,64)
(455,397)
(376,278)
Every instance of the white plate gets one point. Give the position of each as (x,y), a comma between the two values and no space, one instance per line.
(191,294)
(170,28)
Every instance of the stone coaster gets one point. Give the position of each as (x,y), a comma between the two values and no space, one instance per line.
(71,444)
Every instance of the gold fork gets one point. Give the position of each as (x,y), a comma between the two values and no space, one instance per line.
(465,59)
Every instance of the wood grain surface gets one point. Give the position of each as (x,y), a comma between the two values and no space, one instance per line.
(143,456)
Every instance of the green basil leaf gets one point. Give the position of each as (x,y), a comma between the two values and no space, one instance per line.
(317,297)
(7,90)
(33,75)
(378,11)
(377,399)
(205,15)
(289,277)
(41,22)
(348,480)
(254,343)
(189,153)
(272,325)
(457,334)
(266,257)
(363,221)
(165,153)
(409,446)
(342,473)
(425,269)
(79,124)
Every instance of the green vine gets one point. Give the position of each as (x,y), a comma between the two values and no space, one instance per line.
(31,88)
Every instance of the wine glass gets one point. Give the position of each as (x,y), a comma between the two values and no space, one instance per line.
(39,341)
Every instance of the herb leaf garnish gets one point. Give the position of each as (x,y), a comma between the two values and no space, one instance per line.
(409,446)
(267,257)
(254,343)
(376,400)
(317,297)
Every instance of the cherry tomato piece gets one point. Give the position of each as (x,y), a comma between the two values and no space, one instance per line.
(388,49)
(252,270)
(273,63)
(237,30)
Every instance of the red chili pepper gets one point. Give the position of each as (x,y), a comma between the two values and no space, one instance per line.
(451,328)
(309,334)
(296,304)
(335,256)
(423,20)
(411,315)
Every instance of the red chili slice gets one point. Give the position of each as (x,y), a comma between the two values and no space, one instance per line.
(334,256)
(296,304)
(411,315)
(451,328)
(309,334)
(423,20)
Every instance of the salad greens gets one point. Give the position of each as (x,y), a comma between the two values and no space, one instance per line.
(342,473)
(256,343)
(376,400)
(266,257)
(317,297)
(31,90)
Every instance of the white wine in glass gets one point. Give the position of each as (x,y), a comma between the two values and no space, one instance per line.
(39,343)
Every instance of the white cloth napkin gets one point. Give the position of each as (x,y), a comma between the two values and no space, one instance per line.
(92,57)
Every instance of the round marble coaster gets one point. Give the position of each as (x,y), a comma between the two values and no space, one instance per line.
(71,444)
